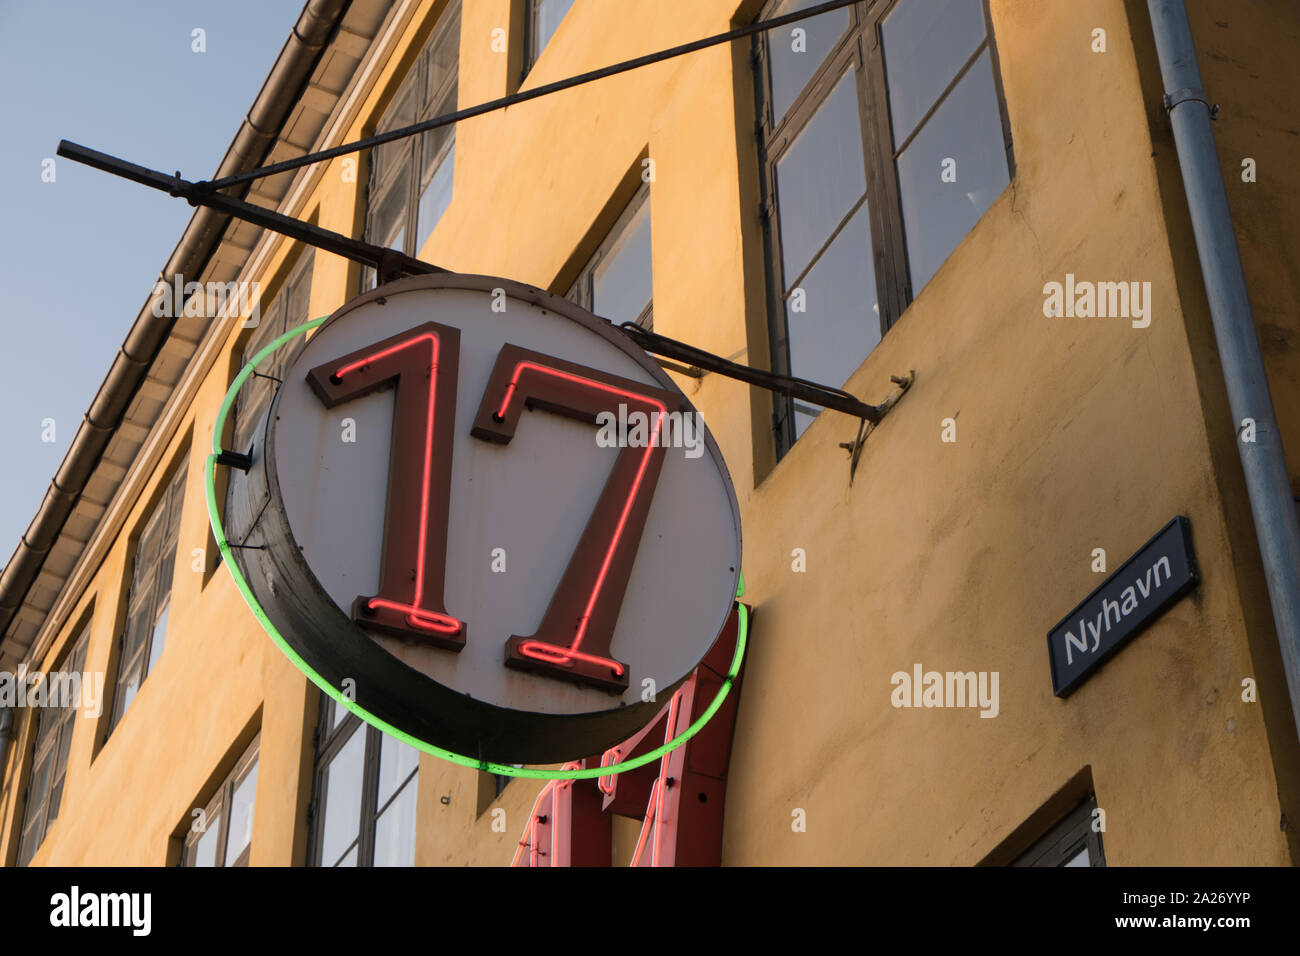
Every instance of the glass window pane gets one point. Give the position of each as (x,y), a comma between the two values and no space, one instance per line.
(401,112)
(820,177)
(52,805)
(38,789)
(156,640)
(204,852)
(967,128)
(436,198)
(796,50)
(548,14)
(255,393)
(241,816)
(130,684)
(166,568)
(341,793)
(432,141)
(146,549)
(926,42)
(1079,859)
(442,60)
(137,628)
(388,157)
(175,501)
(623,280)
(65,745)
(78,663)
(31,841)
(337,713)
(47,723)
(395,830)
(349,859)
(397,761)
(839,323)
(388,225)
(297,305)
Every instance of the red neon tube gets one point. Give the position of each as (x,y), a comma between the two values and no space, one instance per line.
(551,652)
(416,616)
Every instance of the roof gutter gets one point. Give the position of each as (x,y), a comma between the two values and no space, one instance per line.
(293,68)
(1268,483)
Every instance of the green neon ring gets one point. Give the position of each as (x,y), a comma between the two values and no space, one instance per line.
(505,770)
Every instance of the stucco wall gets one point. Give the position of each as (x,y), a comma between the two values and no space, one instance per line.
(1072,434)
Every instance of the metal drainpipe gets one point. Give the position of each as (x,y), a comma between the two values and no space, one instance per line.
(1268,484)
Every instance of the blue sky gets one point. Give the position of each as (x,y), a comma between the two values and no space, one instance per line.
(78,256)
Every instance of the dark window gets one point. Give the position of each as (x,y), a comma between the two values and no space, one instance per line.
(865,114)
(617,282)
(542,21)
(411,179)
(223,834)
(288,309)
(363,811)
(1072,842)
(54,726)
(149,595)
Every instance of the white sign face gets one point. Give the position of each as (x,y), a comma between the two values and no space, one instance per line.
(504,502)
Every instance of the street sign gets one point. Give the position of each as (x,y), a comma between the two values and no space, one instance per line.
(1143,587)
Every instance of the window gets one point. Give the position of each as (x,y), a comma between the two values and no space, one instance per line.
(883,141)
(363,809)
(1072,842)
(411,179)
(224,832)
(542,21)
(616,282)
(149,594)
(289,308)
(54,727)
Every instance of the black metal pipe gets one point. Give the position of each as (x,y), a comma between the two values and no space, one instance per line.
(524,95)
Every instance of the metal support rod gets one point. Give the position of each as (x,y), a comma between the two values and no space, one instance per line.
(798,388)
(524,95)
(1268,483)
(388,263)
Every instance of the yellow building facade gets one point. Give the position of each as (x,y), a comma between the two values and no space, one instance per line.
(969,528)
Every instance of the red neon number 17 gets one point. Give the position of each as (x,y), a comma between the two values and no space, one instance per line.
(572,642)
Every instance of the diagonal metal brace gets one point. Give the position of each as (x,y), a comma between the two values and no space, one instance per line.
(799,388)
(388,264)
